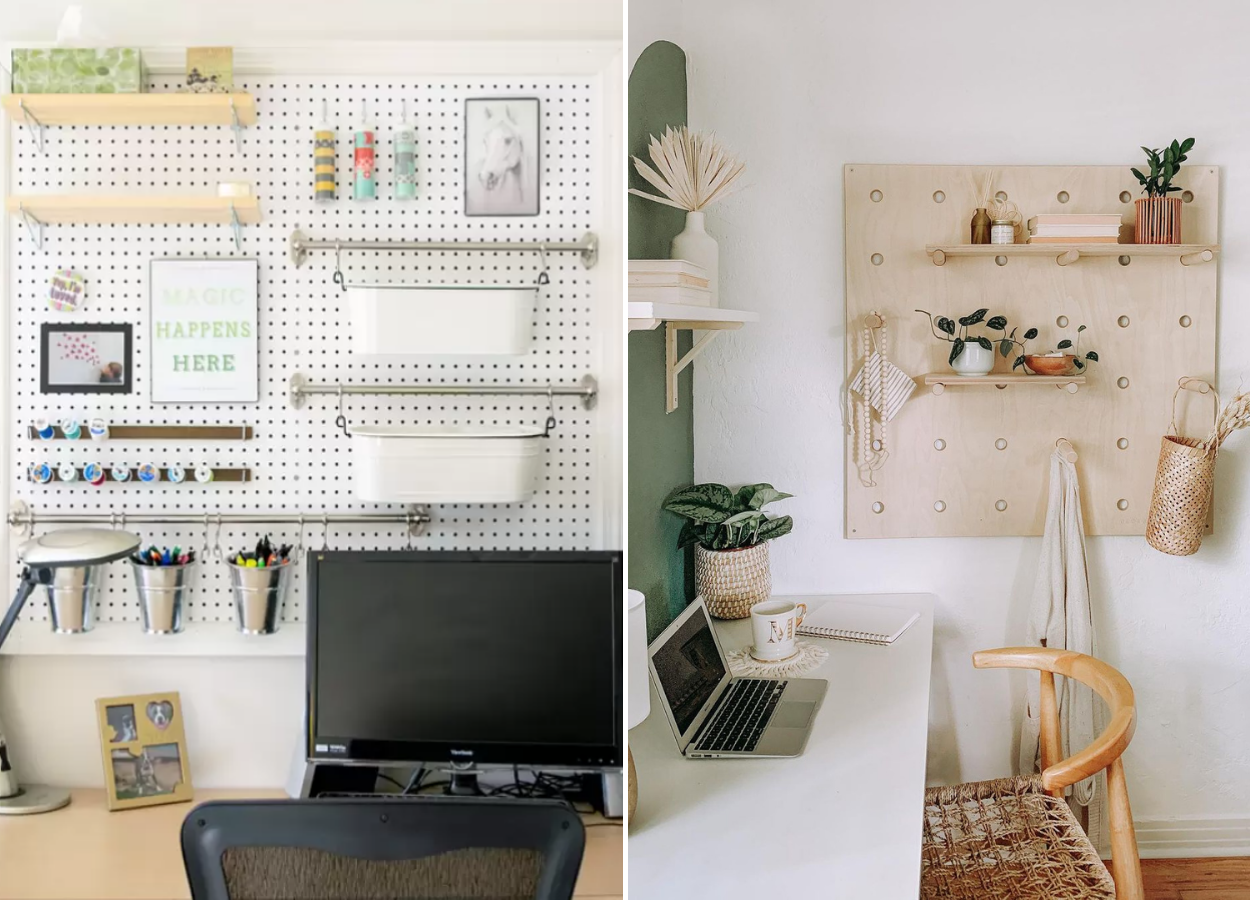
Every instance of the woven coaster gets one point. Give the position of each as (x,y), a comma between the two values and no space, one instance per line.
(808,657)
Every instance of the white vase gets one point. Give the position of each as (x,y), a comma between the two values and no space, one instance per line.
(693,243)
(975,360)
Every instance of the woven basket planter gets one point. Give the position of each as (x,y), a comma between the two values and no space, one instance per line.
(1184,483)
(1158,220)
(732,581)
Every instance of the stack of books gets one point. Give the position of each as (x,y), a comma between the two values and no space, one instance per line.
(668,281)
(1078,228)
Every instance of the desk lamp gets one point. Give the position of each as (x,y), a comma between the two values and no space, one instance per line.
(639,682)
(39,556)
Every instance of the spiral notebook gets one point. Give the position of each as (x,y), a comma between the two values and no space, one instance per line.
(846,621)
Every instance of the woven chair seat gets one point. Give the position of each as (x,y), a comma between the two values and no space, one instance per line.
(1007,839)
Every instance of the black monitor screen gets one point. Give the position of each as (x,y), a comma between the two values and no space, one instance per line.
(429,657)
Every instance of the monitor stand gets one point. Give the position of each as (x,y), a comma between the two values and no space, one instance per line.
(464,784)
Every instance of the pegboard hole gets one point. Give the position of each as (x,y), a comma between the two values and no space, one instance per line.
(939,196)
(877,259)
(1126,197)
(1000,260)
(1121,382)
(939,444)
(1000,196)
(876,196)
(1186,321)
(1062,321)
(878,507)
(1187,196)
(1122,321)
(1121,504)
(940,506)
(1062,197)
(1124,259)
(1122,443)
(1001,505)
(1000,444)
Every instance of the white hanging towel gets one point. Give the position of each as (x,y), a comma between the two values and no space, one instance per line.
(1061,618)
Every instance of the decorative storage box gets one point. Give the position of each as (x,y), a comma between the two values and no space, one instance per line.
(64,70)
(445,464)
(441,320)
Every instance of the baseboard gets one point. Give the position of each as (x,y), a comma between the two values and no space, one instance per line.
(1180,838)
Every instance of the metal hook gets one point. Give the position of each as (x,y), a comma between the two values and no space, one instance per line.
(299,538)
(33,125)
(207,551)
(237,227)
(236,127)
(551,411)
(338,272)
(217,553)
(341,419)
(543,277)
(325,532)
(33,226)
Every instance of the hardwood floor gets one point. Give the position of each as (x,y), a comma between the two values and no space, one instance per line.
(1225,878)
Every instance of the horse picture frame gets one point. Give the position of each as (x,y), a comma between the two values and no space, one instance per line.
(502,156)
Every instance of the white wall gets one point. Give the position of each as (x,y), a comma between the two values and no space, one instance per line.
(798,90)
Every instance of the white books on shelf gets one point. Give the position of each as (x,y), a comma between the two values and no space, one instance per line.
(1076,230)
(862,622)
(667,272)
(683,295)
(1069,219)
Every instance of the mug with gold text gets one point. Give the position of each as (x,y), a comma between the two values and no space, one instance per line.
(774,626)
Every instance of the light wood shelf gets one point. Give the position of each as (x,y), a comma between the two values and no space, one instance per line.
(1188,254)
(72,209)
(647,316)
(939,381)
(132,109)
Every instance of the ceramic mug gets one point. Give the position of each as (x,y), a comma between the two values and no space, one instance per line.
(774,626)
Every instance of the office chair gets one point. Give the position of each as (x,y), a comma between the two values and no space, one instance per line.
(416,848)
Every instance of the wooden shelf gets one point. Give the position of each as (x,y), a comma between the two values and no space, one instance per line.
(61,209)
(160,433)
(1188,254)
(645,316)
(939,381)
(132,109)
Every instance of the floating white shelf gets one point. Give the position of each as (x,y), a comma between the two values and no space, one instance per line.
(215,639)
(712,319)
(1067,254)
(940,381)
(133,109)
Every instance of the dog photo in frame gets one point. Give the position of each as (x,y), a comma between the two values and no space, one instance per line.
(144,748)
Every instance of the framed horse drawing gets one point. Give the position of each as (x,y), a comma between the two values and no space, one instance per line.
(502,156)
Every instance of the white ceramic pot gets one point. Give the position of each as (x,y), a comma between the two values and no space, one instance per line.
(975,360)
(693,243)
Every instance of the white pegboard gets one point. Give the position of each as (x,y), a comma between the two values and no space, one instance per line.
(299,460)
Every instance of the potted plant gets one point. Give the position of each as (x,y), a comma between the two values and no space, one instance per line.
(1065,358)
(730,533)
(1158,215)
(970,354)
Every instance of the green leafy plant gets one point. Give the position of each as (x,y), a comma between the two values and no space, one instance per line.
(1164,164)
(956,332)
(1077,359)
(720,519)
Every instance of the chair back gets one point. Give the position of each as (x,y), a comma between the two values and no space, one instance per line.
(427,848)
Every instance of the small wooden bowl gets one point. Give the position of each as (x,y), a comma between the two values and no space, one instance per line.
(1049,365)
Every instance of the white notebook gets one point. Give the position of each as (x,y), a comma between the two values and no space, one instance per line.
(847,621)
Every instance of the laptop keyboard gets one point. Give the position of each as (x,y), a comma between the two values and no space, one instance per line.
(743,715)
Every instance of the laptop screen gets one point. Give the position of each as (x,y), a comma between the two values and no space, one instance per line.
(688,668)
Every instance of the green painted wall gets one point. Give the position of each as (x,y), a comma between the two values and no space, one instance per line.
(661,445)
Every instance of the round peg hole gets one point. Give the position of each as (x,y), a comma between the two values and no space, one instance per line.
(1122,321)
(876,445)
(1121,382)
(876,196)
(1062,321)
(1126,197)
(1121,504)
(939,444)
(1122,443)
(1001,444)
(878,507)
(1000,196)
(877,259)
(1124,259)
(1001,505)
(1186,321)
(1187,196)
(938,196)
(1000,260)
(1062,197)
(940,506)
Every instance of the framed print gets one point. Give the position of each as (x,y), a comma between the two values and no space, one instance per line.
(144,749)
(204,330)
(85,359)
(502,156)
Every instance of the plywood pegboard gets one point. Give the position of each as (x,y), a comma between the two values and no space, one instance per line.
(991,476)
(300,461)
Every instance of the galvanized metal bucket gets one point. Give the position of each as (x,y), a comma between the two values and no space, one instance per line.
(72,597)
(258,596)
(162,592)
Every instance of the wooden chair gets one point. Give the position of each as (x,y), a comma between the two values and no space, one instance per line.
(1016,838)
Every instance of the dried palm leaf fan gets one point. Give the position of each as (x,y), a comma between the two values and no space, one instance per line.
(692,170)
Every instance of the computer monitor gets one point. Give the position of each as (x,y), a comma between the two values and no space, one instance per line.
(468,659)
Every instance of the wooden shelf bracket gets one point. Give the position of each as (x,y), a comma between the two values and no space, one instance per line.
(673,365)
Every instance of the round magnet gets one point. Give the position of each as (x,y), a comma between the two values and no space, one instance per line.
(94,472)
(98,429)
(71,429)
(41,473)
(45,429)
(120,473)
(149,473)
(67,473)
(177,474)
(203,474)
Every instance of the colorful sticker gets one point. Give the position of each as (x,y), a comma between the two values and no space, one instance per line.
(66,291)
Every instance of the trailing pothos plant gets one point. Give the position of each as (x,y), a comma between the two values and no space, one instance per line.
(720,519)
(1077,359)
(956,333)
(1164,164)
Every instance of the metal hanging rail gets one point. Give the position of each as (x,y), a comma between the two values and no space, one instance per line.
(415,518)
(588,246)
(587,389)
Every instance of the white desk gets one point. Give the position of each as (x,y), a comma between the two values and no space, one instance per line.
(841,821)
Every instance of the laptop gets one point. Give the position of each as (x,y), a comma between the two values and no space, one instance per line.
(717,716)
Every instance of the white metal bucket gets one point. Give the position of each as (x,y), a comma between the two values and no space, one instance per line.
(445,464)
(441,320)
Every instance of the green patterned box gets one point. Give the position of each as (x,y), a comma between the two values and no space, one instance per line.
(99,70)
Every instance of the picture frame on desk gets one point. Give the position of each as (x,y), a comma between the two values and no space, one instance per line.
(144,750)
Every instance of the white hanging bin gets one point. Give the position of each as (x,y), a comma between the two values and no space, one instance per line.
(445,464)
(441,320)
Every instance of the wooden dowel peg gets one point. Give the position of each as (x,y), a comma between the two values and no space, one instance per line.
(939,388)
(1197,258)
(872,320)
(938,257)
(1068,257)
(1071,387)
(1066,450)
(1197,385)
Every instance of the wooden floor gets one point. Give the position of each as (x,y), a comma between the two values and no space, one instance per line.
(1197,879)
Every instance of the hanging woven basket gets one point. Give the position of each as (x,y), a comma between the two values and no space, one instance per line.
(1184,485)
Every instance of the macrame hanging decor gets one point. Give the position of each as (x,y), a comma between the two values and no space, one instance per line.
(881,389)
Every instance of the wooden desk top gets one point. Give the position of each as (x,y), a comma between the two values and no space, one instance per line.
(84,852)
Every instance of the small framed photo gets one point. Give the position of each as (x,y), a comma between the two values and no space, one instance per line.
(85,359)
(144,749)
(502,156)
